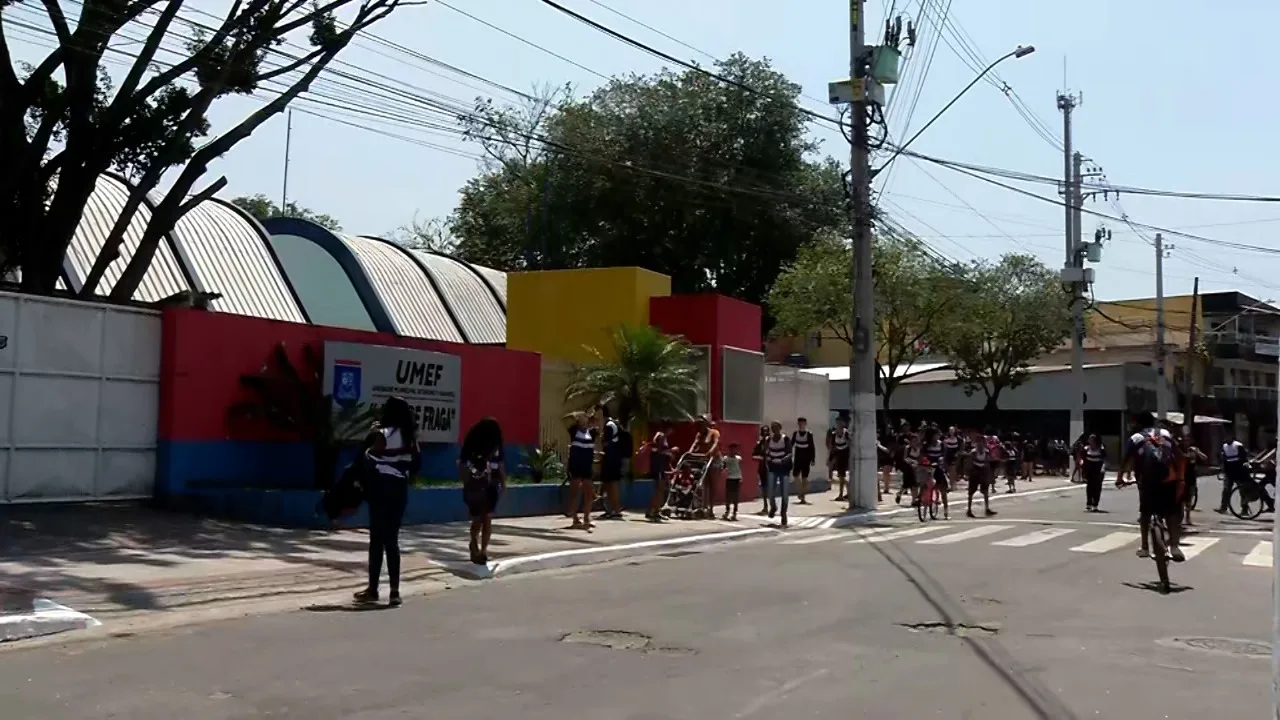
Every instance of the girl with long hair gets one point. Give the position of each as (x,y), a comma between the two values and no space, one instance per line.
(484,477)
(391,460)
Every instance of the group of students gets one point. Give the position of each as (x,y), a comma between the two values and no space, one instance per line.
(933,456)
(782,458)
(380,476)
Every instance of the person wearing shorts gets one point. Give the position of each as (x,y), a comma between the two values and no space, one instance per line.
(483,479)
(805,453)
(903,462)
(839,440)
(610,465)
(979,472)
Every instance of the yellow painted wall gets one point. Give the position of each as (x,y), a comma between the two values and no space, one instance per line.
(1142,312)
(561,312)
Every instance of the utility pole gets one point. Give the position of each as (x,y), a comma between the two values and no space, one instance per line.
(1193,362)
(1162,401)
(1073,269)
(862,363)
(288,140)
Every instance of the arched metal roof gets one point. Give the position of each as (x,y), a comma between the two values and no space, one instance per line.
(410,292)
(164,277)
(227,252)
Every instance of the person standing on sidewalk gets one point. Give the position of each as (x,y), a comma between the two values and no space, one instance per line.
(582,457)
(660,452)
(838,443)
(778,456)
(484,477)
(611,464)
(1235,468)
(760,453)
(980,472)
(1191,491)
(1094,469)
(805,453)
(732,481)
(707,443)
(393,459)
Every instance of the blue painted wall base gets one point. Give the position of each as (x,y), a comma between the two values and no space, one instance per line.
(297,508)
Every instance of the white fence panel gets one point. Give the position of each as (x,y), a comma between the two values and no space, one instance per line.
(790,394)
(79,400)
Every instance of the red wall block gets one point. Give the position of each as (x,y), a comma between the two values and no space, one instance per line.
(204,354)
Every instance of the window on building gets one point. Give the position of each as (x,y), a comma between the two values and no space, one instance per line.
(1270,380)
(1217,376)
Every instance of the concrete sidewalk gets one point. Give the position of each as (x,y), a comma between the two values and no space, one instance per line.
(118,561)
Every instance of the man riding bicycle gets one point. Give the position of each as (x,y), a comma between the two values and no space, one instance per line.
(1152,456)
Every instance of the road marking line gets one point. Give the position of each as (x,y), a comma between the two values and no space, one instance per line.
(965,535)
(1034,538)
(1107,543)
(1260,555)
(1193,546)
(886,537)
(840,535)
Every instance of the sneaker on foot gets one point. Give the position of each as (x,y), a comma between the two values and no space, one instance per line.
(394,600)
(989,512)
(969,513)
(1142,553)
(366,596)
(1175,553)
(784,521)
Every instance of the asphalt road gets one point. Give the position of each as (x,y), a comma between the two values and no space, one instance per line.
(1006,622)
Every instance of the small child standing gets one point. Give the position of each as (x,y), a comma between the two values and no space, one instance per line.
(732,482)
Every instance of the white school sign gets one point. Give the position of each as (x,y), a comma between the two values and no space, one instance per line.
(430,382)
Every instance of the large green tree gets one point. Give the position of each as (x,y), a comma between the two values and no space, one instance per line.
(715,185)
(262,207)
(1015,311)
(916,297)
(64,121)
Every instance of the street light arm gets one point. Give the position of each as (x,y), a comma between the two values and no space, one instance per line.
(1018,52)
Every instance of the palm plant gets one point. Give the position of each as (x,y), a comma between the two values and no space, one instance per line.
(288,398)
(648,375)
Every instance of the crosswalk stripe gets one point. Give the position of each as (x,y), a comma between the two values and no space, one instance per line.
(1193,546)
(839,535)
(1034,538)
(1107,543)
(969,534)
(886,537)
(1260,555)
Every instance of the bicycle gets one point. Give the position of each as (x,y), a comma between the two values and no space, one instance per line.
(1158,544)
(929,499)
(1250,492)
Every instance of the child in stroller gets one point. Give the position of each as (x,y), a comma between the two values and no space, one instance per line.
(685,496)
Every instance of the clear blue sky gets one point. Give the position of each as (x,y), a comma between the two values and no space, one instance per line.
(1162,107)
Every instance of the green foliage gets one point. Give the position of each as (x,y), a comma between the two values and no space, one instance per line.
(915,298)
(288,398)
(262,207)
(68,121)
(647,376)
(1015,311)
(544,463)
(711,184)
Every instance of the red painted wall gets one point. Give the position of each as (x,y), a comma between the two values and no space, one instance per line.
(204,354)
(719,322)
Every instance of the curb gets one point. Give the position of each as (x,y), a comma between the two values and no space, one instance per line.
(594,556)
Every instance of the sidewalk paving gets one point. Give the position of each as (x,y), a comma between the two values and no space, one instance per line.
(118,560)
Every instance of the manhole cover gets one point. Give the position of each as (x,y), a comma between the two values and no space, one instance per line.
(612,639)
(1223,646)
(946,628)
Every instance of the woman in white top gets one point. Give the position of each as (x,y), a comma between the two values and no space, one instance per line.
(391,460)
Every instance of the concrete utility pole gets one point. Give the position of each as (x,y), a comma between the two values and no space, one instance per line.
(1193,361)
(1074,262)
(862,363)
(1162,401)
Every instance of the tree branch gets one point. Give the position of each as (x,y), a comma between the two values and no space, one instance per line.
(59,21)
(213,189)
(286,69)
(149,48)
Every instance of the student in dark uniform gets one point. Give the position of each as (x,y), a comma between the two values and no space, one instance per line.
(933,448)
(484,477)
(839,440)
(980,470)
(806,452)
(759,453)
(391,460)
(611,461)
(1194,461)
(1094,468)
(902,462)
(582,456)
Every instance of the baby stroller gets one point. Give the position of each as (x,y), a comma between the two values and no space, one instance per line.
(686,498)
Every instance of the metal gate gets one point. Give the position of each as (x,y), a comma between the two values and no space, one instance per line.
(79,400)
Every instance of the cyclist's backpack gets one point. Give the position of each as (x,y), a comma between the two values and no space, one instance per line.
(1157,456)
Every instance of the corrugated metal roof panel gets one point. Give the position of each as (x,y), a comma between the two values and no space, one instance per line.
(404,289)
(228,255)
(477,310)
(496,278)
(163,278)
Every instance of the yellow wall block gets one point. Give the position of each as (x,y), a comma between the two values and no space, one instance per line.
(560,313)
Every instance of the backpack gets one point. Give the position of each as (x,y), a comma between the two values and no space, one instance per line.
(1156,456)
